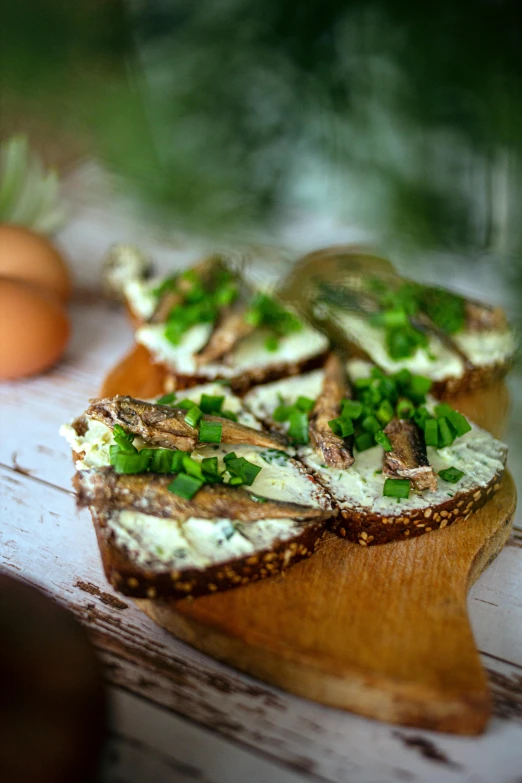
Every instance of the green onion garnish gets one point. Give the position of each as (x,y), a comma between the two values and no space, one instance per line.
(383,440)
(453,475)
(130,463)
(185,486)
(405,408)
(186,404)
(229,456)
(371,424)
(211,404)
(167,399)
(160,461)
(193,416)
(446,436)
(341,427)
(282,413)
(177,461)
(240,468)
(351,409)
(364,441)
(431,433)
(271,343)
(210,432)
(459,422)
(396,488)
(385,412)
(298,429)
(305,404)
(191,467)
(124,440)
(209,466)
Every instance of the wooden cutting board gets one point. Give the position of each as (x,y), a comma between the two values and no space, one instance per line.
(382,631)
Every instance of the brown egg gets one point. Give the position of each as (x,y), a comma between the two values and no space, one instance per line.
(34,328)
(29,256)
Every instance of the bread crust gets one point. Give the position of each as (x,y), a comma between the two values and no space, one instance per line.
(367,528)
(132,580)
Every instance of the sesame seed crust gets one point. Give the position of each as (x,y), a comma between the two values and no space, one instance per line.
(129,579)
(368,528)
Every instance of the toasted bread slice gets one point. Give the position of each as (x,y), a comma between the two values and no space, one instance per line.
(147,554)
(366,516)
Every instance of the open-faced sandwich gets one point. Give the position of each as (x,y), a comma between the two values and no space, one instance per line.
(207,324)
(395,462)
(201,490)
(397,324)
(191,495)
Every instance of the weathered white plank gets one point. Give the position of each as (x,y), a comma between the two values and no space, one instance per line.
(44,540)
(147,744)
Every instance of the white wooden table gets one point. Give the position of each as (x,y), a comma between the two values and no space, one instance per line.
(178,715)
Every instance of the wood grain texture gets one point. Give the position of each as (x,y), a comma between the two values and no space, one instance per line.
(383,631)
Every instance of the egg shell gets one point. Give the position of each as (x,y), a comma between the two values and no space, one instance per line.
(34,329)
(27,255)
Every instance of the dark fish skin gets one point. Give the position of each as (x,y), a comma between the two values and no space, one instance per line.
(148,494)
(480,317)
(230,329)
(165,426)
(336,451)
(408,458)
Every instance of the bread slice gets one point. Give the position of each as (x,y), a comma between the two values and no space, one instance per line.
(333,288)
(366,517)
(146,555)
(248,363)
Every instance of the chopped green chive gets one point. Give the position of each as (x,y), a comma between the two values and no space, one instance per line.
(282,413)
(420,385)
(341,427)
(167,399)
(209,465)
(193,416)
(298,429)
(177,461)
(229,456)
(396,488)
(305,404)
(186,404)
(385,412)
(160,461)
(240,468)
(459,422)
(453,475)
(446,436)
(210,432)
(371,424)
(185,486)
(405,408)
(258,498)
(192,467)
(124,440)
(431,434)
(364,441)
(211,404)
(383,440)
(271,343)
(210,469)
(130,463)
(351,409)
